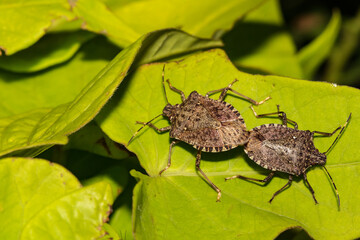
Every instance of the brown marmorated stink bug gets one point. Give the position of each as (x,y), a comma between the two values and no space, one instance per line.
(208,125)
(279,148)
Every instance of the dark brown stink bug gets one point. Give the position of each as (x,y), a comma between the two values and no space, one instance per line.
(279,148)
(208,125)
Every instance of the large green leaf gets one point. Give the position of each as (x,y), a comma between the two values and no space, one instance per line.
(311,56)
(42,200)
(123,22)
(22,23)
(21,93)
(50,50)
(52,125)
(180,204)
(98,18)
(260,43)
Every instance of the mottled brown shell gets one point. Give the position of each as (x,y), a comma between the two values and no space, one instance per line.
(280,148)
(209,125)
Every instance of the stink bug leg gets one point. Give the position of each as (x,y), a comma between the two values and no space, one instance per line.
(198,160)
(228,88)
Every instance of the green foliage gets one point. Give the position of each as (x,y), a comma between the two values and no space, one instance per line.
(311,56)
(23,23)
(42,200)
(260,44)
(62,84)
(180,187)
(52,49)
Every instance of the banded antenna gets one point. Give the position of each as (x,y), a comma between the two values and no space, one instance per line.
(332,145)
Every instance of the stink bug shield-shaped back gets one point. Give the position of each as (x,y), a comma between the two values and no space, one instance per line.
(208,125)
(279,148)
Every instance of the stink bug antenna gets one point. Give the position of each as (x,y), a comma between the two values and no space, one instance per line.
(338,136)
(144,124)
(163,83)
(337,193)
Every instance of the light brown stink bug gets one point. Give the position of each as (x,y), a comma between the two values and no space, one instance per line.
(282,149)
(208,125)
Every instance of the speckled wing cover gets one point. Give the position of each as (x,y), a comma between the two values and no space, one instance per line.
(280,148)
(209,125)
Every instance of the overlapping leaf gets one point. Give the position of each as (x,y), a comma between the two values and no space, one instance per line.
(91,138)
(36,194)
(126,21)
(244,211)
(22,23)
(52,49)
(311,56)
(52,125)
(21,93)
(260,43)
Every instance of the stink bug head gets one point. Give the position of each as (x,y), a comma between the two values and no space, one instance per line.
(316,158)
(169,111)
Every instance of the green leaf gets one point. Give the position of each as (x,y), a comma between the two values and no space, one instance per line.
(181,194)
(260,43)
(42,200)
(23,23)
(21,93)
(121,221)
(50,50)
(98,18)
(311,56)
(90,138)
(111,233)
(121,218)
(52,125)
(116,177)
(126,21)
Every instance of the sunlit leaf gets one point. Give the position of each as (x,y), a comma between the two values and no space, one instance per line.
(42,200)
(181,195)
(22,23)
(123,22)
(52,125)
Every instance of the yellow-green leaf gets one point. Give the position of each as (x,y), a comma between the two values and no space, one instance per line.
(50,50)
(184,197)
(22,23)
(42,200)
(312,55)
(260,43)
(44,126)
(124,22)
